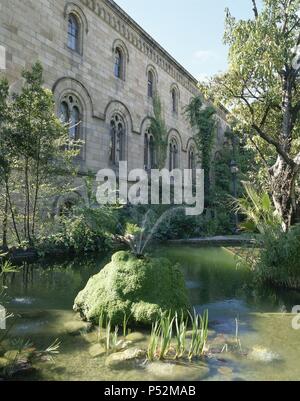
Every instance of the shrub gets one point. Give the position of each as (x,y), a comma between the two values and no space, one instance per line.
(278,262)
(86,230)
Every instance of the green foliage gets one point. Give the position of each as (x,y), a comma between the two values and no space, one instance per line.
(5,116)
(85,230)
(264,71)
(159,132)
(35,155)
(259,211)
(138,287)
(212,222)
(278,261)
(203,121)
(199,335)
(153,341)
(161,343)
(180,335)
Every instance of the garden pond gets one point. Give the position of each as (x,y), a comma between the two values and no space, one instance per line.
(41,297)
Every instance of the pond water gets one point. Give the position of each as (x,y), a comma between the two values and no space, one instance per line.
(42,297)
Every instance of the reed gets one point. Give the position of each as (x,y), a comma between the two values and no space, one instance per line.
(125,324)
(199,335)
(108,337)
(100,325)
(181,330)
(166,331)
(162,339)
(153,342)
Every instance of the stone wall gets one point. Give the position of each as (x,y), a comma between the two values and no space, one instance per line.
(32,30)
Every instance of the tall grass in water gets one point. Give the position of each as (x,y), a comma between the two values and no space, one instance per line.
(166,331)
(125,325)
(112,341)
(180,335)
(199,335)
(161,339)
(153,342)
(107,335)
(103,323)
(100,325)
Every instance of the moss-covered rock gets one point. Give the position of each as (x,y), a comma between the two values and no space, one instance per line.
(139,288)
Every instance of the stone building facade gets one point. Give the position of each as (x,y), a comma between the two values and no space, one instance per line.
(104,70)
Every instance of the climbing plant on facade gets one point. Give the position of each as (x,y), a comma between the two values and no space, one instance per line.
(202,119)
(159,132)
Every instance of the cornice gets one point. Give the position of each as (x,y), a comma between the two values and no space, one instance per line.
(121,22)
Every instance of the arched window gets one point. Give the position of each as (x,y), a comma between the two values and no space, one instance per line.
(174,101)
(118,138)
(173,155)
(70,115)
(75,122)
(64,113)
(118,69)
(149,150)
(73,33)
(192,163)
(150,84)
(192,159)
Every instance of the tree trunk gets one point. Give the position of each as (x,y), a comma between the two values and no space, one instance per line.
(283,183)
(5,225)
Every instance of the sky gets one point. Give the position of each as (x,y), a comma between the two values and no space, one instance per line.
(190,30)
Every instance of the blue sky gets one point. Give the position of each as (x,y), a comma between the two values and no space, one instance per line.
(191,30)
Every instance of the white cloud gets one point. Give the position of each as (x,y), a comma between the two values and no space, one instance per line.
(203,77)
(205,55)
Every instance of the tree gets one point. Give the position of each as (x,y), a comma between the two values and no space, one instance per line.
(4,158)
(37,152)
(262,92)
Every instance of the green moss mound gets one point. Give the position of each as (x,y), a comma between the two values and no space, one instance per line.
(139,288)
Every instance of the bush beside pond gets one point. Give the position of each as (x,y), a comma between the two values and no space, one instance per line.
(278,262)
(135,287)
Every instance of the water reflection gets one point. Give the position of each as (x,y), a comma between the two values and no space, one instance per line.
(42,296)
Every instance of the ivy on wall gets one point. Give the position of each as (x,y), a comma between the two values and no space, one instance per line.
(159,132)
(203,122)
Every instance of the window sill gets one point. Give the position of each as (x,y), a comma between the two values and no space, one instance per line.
(74,53)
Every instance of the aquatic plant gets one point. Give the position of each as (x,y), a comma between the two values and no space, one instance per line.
(111,341)
(161,339)
(199,335)
(125,324)
(115,341)
(100,324)
(108,337)
(166,331)
(180,335)
(153,342)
